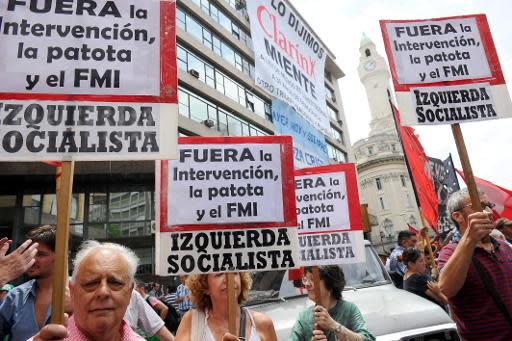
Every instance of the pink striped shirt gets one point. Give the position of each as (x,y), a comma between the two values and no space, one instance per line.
(127,333)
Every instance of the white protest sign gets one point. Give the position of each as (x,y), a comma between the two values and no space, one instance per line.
(87,80)
(227,204)
(289,60)
(330,224)
(445,70)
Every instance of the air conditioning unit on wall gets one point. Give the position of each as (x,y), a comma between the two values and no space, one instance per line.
(194,73)
(209,123)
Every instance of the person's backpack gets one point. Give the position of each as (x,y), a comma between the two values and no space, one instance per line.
(172,320)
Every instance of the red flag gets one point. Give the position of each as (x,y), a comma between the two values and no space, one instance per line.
(502,197)
(295,274)
(421,174)
(412,229)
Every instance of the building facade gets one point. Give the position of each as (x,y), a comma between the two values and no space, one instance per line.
(217,96)
(384,182)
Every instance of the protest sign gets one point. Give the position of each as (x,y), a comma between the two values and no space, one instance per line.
(445,70)
(309,146)
(330,223)
(289,60)
(87,80)
(226,204)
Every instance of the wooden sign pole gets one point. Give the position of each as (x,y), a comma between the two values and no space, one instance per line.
(316,284)
(232,304)
(60,273)
(426,239)
(466,167)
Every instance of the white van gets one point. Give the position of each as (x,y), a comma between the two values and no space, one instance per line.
(391,313)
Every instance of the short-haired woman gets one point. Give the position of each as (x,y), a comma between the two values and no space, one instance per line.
(337,319)
(209,320)
(417,282)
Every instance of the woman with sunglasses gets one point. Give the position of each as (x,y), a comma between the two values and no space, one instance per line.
(334,320)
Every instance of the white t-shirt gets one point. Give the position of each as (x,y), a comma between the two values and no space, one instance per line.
(140,314)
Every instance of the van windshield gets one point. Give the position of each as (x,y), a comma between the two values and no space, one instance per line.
(276,285)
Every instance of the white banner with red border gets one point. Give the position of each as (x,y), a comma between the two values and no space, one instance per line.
(289,59)
(445,70)
(226,204)
(329,215)
(88,80)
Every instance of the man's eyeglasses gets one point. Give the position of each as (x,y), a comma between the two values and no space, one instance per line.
(484,205)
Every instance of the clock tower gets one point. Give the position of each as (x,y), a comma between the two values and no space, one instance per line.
(374,74)
(384,183)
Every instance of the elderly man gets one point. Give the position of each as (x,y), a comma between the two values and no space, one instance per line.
(476,273)
(101,287)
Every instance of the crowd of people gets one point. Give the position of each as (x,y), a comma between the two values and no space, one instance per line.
(469,275)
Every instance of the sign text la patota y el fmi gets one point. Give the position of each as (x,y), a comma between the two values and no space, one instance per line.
(87,80)
(227,204)
(445,70)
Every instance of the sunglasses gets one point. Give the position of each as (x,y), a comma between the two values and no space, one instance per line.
(307,279)
(484,205)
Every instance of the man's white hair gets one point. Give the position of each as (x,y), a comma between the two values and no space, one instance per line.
(456,201)
(90,246)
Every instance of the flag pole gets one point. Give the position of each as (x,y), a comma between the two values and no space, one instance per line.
(423,222)
(403,150)
(453,169)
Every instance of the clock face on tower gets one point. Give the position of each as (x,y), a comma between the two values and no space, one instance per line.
(370,65)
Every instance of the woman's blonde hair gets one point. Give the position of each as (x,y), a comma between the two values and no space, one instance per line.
(198,286)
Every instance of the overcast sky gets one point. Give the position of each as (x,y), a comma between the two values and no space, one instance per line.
(340,24)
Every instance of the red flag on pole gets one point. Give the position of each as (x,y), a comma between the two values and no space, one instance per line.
(420,170)
(412,229)
(502,197)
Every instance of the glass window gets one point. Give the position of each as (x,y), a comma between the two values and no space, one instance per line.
(31,209)
(180,18)
(201,109)
(402,180)
(183,103)
(7,214)
(231,89)
(196,64)
(224,21)
(382,205)
(332,113)
(329,93)
(234,126)
(194,28)
(97,231)
(378,183)
(49,209)
(97,207)
(223,122)
(198,109)
(228,53)
(130,206)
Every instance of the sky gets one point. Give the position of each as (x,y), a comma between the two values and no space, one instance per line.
(340,25)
